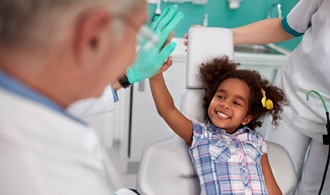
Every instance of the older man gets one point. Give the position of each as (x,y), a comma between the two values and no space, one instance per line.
(54,53)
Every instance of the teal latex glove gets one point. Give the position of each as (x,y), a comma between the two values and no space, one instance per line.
(150,60)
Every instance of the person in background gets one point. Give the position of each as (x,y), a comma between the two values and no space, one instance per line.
(229,156)
(52,54)
(307,68)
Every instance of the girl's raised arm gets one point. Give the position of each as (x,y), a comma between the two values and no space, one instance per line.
(181,125)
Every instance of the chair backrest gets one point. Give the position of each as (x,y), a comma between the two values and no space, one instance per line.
(205,43)
(166,167)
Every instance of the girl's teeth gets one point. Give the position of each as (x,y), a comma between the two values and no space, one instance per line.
(222,115)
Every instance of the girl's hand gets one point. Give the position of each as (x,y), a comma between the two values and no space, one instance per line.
(165,66)
(169,60)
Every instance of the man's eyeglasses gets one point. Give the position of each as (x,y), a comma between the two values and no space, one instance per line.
(146,38)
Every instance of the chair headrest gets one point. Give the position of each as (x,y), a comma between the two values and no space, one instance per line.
(206,43)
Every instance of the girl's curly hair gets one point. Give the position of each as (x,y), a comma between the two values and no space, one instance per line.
(214,72)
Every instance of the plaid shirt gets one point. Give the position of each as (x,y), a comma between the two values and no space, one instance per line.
(228,163)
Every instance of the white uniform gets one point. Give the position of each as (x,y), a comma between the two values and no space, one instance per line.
(307,68)
(46,151)
(94,106)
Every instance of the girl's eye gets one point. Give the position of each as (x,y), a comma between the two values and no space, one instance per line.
(220,97)
(237,104)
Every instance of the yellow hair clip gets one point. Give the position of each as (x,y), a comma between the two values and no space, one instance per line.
(266,102)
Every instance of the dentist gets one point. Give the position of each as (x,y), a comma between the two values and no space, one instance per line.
(54,53)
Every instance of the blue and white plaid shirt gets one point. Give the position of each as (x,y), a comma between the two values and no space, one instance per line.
(228,163)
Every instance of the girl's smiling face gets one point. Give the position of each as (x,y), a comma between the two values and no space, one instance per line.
(230,104)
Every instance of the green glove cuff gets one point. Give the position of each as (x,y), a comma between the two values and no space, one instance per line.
(131,76)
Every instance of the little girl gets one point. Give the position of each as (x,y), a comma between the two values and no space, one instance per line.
(229,156)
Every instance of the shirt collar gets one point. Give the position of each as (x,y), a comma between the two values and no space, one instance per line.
(214,129)
(14,86)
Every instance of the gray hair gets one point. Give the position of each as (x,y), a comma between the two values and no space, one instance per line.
(120,9)
(33,22)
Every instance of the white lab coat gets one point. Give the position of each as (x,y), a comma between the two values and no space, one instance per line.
(43,152)
(93,106)
(307,68)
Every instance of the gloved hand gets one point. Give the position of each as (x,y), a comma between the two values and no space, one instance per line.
(150,60)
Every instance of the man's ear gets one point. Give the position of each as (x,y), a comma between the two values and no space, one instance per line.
(247,119)
(89,35)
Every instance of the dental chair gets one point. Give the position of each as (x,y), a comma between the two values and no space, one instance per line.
(165,167)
